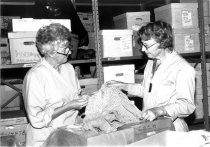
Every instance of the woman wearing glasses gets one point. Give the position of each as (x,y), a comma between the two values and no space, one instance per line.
(169,80)
(51,89)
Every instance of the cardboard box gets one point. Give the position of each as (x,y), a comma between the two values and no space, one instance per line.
(179,15)
(175,138)
(17,130)
(30,24)
(186,40)
(131,133)
(116,43)
(4,51)
(89,86)
(123,73)
(206,5)
(22,47)
(87,20)
(132,20)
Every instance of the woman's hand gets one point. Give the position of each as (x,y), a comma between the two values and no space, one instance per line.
(153,113)
(79,103)
(118,84)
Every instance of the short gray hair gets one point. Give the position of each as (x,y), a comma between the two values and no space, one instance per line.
(50,34)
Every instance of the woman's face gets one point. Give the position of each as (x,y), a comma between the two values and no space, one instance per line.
(63,51)
(151,48)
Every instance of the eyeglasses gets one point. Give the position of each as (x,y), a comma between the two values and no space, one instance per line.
(66,51)
(147,47)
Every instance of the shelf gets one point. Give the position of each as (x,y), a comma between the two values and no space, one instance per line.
(191,56)
(82,61)
(195,55)
(117,59)
(28,65)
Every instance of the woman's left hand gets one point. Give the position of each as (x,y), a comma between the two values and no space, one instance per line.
(153,113)
(79,103)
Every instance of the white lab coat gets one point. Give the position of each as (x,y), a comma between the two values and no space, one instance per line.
(45,90)
(173,86)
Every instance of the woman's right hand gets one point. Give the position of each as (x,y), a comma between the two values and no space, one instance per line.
(118,84)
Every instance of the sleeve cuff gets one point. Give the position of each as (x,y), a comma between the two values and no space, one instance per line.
(48,116)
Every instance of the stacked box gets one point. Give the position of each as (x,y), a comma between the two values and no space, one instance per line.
(22,47)
(206,5)
(133,21)
(179,15)
(116,43)
(4,51)
(30,24)
(87,20)
(186,40)
(206,13)
(198,89)
(123,73)
(183,18)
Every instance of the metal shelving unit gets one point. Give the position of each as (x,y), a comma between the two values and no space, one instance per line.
(200,57)
(203,65)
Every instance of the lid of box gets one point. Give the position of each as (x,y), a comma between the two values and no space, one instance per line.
(186,31)
(21,35)
(179,6)
(138,14)
(116,32)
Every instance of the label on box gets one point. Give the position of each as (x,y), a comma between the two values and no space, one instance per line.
(123,73)
(122,46)
(186,18)
(188,43)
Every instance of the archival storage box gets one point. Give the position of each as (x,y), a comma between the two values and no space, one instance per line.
(186,40)
(22,47)
(131,20)
(116,43)
(179,15)
(30,24)
(206,5)
(123,73)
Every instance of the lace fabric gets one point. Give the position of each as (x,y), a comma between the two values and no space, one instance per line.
(108,109)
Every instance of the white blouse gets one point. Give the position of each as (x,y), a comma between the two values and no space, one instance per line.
(173,86)
(44,90)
